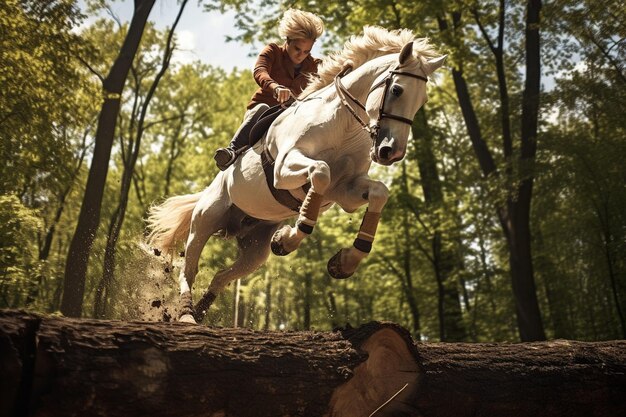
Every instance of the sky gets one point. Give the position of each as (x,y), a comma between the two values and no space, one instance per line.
(201,35)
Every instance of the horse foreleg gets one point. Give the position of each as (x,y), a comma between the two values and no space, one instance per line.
(346,261)
(294,171)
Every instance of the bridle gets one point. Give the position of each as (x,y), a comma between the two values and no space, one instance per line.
(344,94)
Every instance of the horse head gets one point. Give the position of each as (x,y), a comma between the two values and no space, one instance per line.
(393,101)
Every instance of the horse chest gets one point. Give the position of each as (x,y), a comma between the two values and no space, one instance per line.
(350,155)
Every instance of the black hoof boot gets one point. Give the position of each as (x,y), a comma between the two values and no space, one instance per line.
(203,305)
(277,247)
(334,267)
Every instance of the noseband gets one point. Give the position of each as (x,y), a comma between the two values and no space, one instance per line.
(344,94)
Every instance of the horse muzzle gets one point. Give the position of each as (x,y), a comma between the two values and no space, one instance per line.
(387,151)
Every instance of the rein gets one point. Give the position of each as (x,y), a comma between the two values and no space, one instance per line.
(284,197)
(344,94)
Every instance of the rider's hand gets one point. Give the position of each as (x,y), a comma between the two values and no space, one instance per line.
(282,94)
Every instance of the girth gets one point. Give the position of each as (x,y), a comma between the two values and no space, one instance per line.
(284,197)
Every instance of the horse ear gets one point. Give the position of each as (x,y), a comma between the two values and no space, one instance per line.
(406,53)
(433,64)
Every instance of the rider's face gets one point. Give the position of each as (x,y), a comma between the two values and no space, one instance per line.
(298,49)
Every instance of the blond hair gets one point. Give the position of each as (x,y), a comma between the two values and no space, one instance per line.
(297,24)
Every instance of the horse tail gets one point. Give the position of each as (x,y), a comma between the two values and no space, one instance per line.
(169,222)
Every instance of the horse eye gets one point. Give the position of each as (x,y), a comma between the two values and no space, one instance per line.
(396,90)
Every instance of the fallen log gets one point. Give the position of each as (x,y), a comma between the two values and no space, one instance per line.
(52,366)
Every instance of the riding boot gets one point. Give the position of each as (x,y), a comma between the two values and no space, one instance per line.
(225,157)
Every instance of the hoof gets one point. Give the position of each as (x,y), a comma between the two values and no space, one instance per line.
(187,318)
(199,316)
(203,305)
(277,247)
(334,267)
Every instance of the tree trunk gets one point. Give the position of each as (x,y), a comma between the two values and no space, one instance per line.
(524,379)
(409,291)
(59,366)
(557,306)
(308,299)
(405,276)
(239,310)
(613,278)
(444,255)
(101,296)
(268,301)
(89,217)
(516,225)
(514,214)
(528,314)
(134,147)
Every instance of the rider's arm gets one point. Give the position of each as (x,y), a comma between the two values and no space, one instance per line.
(263,67)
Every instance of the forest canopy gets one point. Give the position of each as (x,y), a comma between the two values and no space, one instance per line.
(506,219)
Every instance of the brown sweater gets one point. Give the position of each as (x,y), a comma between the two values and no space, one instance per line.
(273,68)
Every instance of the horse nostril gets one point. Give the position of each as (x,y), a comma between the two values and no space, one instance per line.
(384,152)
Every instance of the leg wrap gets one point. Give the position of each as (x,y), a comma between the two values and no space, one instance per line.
(367,232)
(203,305)
(186,304)
(309,211)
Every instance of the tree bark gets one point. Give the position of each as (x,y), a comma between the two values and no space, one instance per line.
(524,379)
(89,217)
(528,314)
(60,366)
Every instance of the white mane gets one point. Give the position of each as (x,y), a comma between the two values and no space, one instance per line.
(374,42)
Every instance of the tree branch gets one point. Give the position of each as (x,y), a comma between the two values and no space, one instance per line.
(91,69)
(493,48)
(608,57)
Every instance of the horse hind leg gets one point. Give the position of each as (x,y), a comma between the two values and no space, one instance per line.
(254,249)
(208,217)
(193,249)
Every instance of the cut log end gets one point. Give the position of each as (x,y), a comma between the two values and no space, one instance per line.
(187,318)
(382,385)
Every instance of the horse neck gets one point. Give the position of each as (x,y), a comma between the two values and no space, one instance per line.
(359,82)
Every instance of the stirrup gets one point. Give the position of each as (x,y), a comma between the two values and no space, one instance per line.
(224,157)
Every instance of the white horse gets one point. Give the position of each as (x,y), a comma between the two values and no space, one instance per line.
(316,153)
